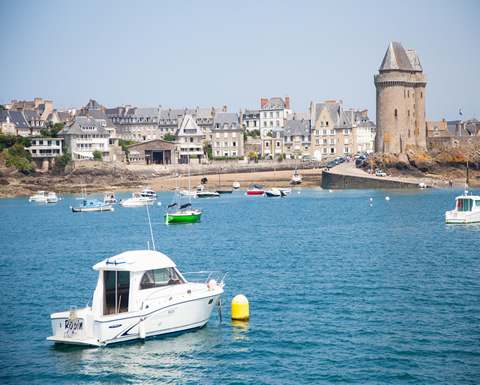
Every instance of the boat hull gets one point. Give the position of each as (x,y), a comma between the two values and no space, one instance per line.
(188,217)
(128,203)
(255,192)
(79,209)
(173,314)
(454,217)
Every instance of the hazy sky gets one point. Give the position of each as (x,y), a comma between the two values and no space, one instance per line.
(233,53)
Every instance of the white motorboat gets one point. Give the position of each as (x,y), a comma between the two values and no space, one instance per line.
(148,192)
(236,185)
(109,198)
(202,193)
(139,295)
(137,200)
(52,197)
(273,193)
(467,210)
(38,197)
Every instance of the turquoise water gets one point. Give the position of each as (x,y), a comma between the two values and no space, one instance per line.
(341,289)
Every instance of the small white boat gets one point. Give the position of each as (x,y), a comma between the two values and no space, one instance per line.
(148,192)
(285,190)
(273,193)
(109,198)
(90,206)
(236,185)
(202,193)
(187,193)
(38,197)
(139,294)
(52,197)
(467,210)
(296,178)
(137,200)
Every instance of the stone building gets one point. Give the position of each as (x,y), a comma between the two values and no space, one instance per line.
(154,151)
(400,87)
(227,135)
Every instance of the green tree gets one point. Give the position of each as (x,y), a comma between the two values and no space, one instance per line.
(280,158)
(169,137)
(97,155)
(63,160)
(254,133)
(269,133)
(253,155)
(20,158)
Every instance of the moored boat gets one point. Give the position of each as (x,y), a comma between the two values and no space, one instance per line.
(109,198)
(38,197)
(273,193)
(148,192)
(181,214)
(52,197)
(91,205)
(202,193)
(139,295)
(137,200)
(466,211)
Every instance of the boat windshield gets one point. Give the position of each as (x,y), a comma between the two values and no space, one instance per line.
(160,277)
(464,204)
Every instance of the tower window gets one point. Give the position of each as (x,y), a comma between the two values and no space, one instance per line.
(396,113)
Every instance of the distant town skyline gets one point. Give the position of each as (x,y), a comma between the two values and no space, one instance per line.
(213,53)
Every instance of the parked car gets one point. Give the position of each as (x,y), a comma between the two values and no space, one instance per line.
(359,160)
(305,158)
(380,173)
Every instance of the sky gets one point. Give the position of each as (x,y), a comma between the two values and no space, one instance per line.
(233,53)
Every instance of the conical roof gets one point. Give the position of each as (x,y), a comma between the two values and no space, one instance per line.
(396,59)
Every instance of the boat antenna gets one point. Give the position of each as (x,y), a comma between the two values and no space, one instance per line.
(151,232)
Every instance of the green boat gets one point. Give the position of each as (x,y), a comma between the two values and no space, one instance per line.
(183,214)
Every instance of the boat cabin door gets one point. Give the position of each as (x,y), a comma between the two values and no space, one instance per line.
(117,288)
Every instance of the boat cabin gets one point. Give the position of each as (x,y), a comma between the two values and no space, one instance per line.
(466,203)
(128,279)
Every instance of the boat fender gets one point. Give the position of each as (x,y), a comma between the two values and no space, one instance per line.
(212,284)
(141,328)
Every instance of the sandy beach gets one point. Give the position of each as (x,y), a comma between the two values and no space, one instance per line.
(311,178)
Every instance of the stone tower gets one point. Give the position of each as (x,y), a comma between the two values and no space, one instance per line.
(400,87)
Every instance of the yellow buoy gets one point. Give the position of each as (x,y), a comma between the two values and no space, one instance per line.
(240,308)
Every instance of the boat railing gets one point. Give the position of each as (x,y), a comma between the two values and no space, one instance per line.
(206,276)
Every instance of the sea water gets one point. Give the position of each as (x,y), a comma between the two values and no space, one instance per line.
(343,287)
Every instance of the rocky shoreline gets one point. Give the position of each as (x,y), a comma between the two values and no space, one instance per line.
(98,177)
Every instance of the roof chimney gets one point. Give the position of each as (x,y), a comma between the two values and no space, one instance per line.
(287,102)
(263,101)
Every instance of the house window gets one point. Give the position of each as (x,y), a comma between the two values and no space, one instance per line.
(324,141)
(225,144)
(324,132)
(278,144)
(234,135)
(234,144)
(396,114)
(217,135)
(345,141)
(324,150)
(326,124)
(217,144)
(266,144)
(332,132)
(317,142)
(332,141)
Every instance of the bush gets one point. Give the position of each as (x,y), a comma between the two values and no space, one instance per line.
(20,158)
(97,155)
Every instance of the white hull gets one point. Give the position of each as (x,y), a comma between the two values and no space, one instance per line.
(79,209)
(177,311)
(467,210)
(455,217)
(130,203)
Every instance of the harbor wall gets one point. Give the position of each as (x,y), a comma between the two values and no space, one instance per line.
(339,181)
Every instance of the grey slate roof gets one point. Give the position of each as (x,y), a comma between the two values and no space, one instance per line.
(18,119)
(228,118)
(99,115)
(396,58)
(274,103)
(75,127)
(93,105)
(297,127)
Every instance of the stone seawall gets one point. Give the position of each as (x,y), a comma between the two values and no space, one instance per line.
(340,181)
